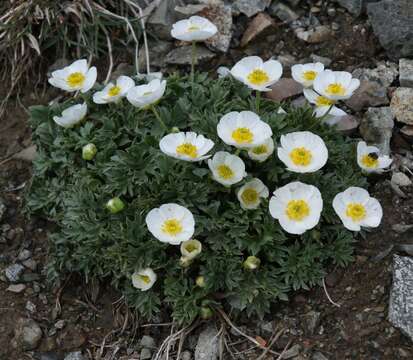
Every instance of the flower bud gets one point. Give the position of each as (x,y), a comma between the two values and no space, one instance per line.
(251,263)
(206,313)
(115,205)
(200,281)
(191,248)
(175,130)
(89,151)
(185,261)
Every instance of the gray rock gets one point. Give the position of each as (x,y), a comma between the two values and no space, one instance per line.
(207,346)
(221,16)
(392,23)
(377,126)
(16,288)
(3,209)
(292,352)
(250,7)
(402,105)
(348,124)
(14,272)
(400,179)
(369,94)
(284,89)
(183,55)
(256,27)
(30,307)
(147,341)
(157,52)
(184,12)
(384,73)
(162,19)
(318,356)
(186,355)
(311,321)
(324,60)
(283,12)
(406,72)
(50,355)
(30,264)
(314,36)
(27,334)
(24,255)
(76,355)
(353,6)
(28,154)
(146,354)
(266,327)
(401,305)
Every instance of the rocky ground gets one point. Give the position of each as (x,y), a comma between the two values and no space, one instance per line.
(361,312)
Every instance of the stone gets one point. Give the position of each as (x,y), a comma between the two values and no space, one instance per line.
(311,321)
(71,338)
(406,72)
(352,6)
(3,209)
(183,55)
(402,105)
(292,352)
(392,23)
(30,264)
(207,345)
(324,60)
(250,7)
(27,334)
(348,124)
(14,272)
(400,179)
(148,342)
(76,355)
(30,307)
(162,19)
(369,94)
(401,295)
(267,327)
(186,355)
(256,27)
(184,12)
(407,130)
(314,36)
(318,356)
(146,354)
(287,61)
(16,288)
(60,324)
(28,154)
(283,12)
(284,89)
(50,355)
(377,126)
(157,51)
(384,73)
(221,16)
(24,255)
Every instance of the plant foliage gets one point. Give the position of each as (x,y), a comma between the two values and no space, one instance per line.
(129,164)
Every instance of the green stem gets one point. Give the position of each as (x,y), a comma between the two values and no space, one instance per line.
(159,118)
(326,114)
(257,101)
(193,63)
(238,151)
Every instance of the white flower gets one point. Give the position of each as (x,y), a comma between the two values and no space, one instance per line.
(263,151)
(226,168)
(297,207)
(370,159)
(196,28)
(303,151)
(356,208)
(186,146)
(71,116)
(335,85)
(243,129)
(76,76)
(145,95)
(144,279)
(250,194)
(305,74)
(191,249)
(171,223)
(113,92)
(256,74)
(223,71)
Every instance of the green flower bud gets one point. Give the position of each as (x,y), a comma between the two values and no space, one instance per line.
(206,313)
(185,261)
(115,205)
(251,263)
(200,281)
(175,129)
(89,151)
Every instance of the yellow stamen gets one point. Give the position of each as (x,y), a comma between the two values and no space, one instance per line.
(259,150)
(309,75)
(75,79)
(191,247)
(243,136)
(297,210)
(356,211)
(335,89)
(145,278)
(225,172)
(194,28)
(187,149)
(258,77)
(323,101)
(172,227)
(301,156)
(250,196)
(369,161)
(114,91)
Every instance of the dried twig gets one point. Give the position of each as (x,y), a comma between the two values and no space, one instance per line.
(328,296)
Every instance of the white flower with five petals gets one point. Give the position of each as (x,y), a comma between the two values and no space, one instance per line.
(71,116)
(196,28)
(114,92)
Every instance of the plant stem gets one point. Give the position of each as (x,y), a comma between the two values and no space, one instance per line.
(237,152)
(159,118)
(257,101)
(193,63)
(326,114)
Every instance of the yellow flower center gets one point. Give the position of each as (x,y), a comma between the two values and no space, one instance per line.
(356,211)
(187,149)
(335,89)
(259,150)
(323,101)
(225,172)
(145,278)
(309,75)
(258,77)
(114,91)
(301,156)
(172,227)
(297,210)
(191,247)
(193,28)
(243,136)
(250,196)
(370,160)
(75,79)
